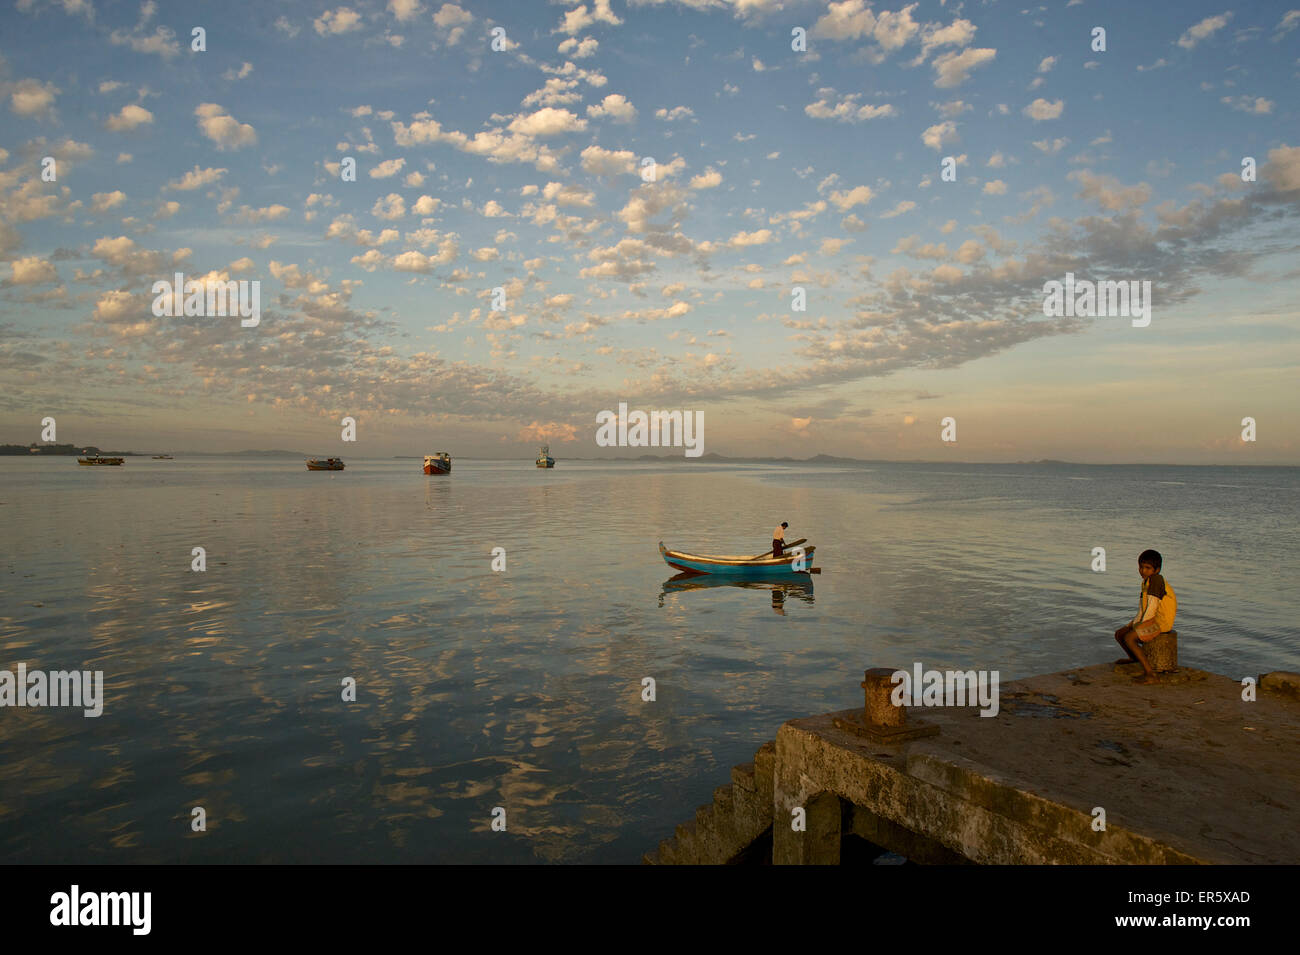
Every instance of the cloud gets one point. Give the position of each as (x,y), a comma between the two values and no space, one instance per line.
(103,201)
(674,114)
(616,107)
(222,128)
(708,179)
(392,206)
(1207,27)
(33,98)
(404,10)
(451,21)
(995,187)
(953,69)
(1256,105)
(335,22)
(388,168)
(1108,192)
(548,121)
(128,118)
(743,240)
(161,42)
(940,133)
(32,270)
(905,205)
(426,206)
(196,178)
(857,196)
(579,19)
(846,109)
(579,50)
(1041,109)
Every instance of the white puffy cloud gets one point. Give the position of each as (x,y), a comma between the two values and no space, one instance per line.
(579,49)
(103,201)
(222,128)
(940,133)
(846,199)
(708,179)
(1041,109)
(846,108)
(388,168)
(342,20)
(953,69)
(32,270)
(392,206)
(615,106)
(128,118)
(403,10)
(32,97)
(196,178)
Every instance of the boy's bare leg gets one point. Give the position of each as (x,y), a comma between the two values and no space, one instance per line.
(1119,638)
(1134,646)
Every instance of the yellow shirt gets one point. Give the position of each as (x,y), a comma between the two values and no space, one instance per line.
(1157,587)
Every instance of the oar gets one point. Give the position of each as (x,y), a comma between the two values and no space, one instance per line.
(801,540)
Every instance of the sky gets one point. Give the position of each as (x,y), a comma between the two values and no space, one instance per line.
(798,151)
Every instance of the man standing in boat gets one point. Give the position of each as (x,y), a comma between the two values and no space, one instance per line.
(778,539)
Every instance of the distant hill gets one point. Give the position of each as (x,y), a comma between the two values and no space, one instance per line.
(32,450)
(260,454)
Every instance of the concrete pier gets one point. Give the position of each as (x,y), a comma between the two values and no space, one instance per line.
(1185,771)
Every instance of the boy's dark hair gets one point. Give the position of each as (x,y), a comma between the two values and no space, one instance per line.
(1151,557)
(784,524)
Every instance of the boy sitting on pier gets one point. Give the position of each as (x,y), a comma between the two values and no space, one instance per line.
(1156,609)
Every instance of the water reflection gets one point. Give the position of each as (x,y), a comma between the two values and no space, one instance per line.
(780,590)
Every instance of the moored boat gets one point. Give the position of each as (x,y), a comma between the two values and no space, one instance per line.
(763,565)
(162,457)
(325,464)
(439,463)
(99,460)
(544,459)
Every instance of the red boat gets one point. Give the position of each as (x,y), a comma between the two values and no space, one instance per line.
(439,463)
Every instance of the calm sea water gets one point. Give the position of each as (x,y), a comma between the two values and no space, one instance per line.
(522,689)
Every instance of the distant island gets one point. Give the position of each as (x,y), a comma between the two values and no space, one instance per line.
(65,449)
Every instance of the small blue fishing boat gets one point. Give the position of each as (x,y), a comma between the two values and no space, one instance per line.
(764,565)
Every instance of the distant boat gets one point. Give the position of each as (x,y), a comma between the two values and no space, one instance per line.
(764,565)
(544,459)
(162,457)
(439,463)
(99,460)
(326,464)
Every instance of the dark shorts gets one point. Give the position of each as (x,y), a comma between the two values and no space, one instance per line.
(777,547)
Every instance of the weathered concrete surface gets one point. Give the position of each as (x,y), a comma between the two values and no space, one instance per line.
(738,816)
(1186,771)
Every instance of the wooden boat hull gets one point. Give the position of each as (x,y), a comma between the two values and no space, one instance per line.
(437,469)
(548,463)
(99,462)
(736,566)
(322,466)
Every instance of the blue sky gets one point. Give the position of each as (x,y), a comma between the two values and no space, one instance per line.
(519,168)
